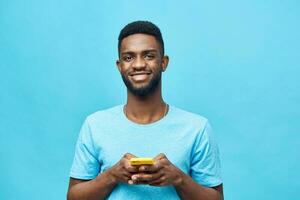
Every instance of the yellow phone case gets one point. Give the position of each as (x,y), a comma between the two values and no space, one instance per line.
(141,161)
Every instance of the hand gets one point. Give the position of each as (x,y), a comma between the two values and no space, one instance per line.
(162,173)
(122,171)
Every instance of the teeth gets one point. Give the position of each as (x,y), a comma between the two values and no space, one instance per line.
(139,74)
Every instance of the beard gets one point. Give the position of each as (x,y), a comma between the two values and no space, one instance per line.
(144,90)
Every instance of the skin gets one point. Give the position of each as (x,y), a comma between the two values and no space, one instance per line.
(138,53)
(140,62)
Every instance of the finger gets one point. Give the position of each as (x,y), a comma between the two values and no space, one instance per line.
(128,156)
(130,182)
(126,179)
(151,168)
(142,177)
(130,168)
(124,176)
(135,182)
(160,156)
(127,174)
(158,181)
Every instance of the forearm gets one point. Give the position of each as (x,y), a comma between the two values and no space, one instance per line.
(96,189)
(188,189)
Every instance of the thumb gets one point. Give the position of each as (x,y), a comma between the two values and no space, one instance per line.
(129,155)
(160,156)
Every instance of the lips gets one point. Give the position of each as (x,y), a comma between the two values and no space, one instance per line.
(139,73)
(139,76)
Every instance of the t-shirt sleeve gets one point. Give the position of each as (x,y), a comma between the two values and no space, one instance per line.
(205,160)
(85,164)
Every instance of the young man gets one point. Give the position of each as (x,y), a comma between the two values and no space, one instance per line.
(186,155)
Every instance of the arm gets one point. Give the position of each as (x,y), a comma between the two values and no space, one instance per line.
(96,189)
(87,166)
(100,187)
(205,162)
(187,188)
(164,173)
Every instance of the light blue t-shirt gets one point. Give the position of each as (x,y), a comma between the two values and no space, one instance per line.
(185,138)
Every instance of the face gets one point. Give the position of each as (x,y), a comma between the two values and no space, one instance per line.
(141,63)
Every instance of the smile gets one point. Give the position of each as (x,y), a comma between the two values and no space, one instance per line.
(140,77)
(140,73)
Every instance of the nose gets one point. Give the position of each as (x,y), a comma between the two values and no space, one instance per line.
(139,63)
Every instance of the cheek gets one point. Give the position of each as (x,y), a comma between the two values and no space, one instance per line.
(125,68)
(155,65)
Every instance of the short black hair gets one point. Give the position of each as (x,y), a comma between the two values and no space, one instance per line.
(145,27)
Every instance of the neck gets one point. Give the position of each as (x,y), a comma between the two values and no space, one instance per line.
(146,109)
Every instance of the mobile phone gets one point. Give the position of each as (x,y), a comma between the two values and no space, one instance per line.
(141,161)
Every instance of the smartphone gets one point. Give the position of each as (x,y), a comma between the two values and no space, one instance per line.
(141,161)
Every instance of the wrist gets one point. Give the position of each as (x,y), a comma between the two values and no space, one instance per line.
(110,177)
(179,180)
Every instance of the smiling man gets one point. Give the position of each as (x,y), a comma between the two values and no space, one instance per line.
(187,164)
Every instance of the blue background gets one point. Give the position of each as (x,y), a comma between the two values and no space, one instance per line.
(235,62)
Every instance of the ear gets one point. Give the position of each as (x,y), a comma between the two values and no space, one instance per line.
(118,63)
(165,62)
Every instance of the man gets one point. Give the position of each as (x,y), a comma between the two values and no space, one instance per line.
(186,155)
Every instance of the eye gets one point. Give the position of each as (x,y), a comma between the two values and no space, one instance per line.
(127,58)
(149,56)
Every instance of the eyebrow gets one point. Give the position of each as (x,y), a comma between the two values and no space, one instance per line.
(144,51)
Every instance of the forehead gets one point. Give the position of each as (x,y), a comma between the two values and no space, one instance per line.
(139,42)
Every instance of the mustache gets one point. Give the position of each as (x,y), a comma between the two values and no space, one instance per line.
(136,72)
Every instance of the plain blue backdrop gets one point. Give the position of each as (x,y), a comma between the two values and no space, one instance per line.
(235,62)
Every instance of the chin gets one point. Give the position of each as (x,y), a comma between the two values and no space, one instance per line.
(140,86)
(142,91)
